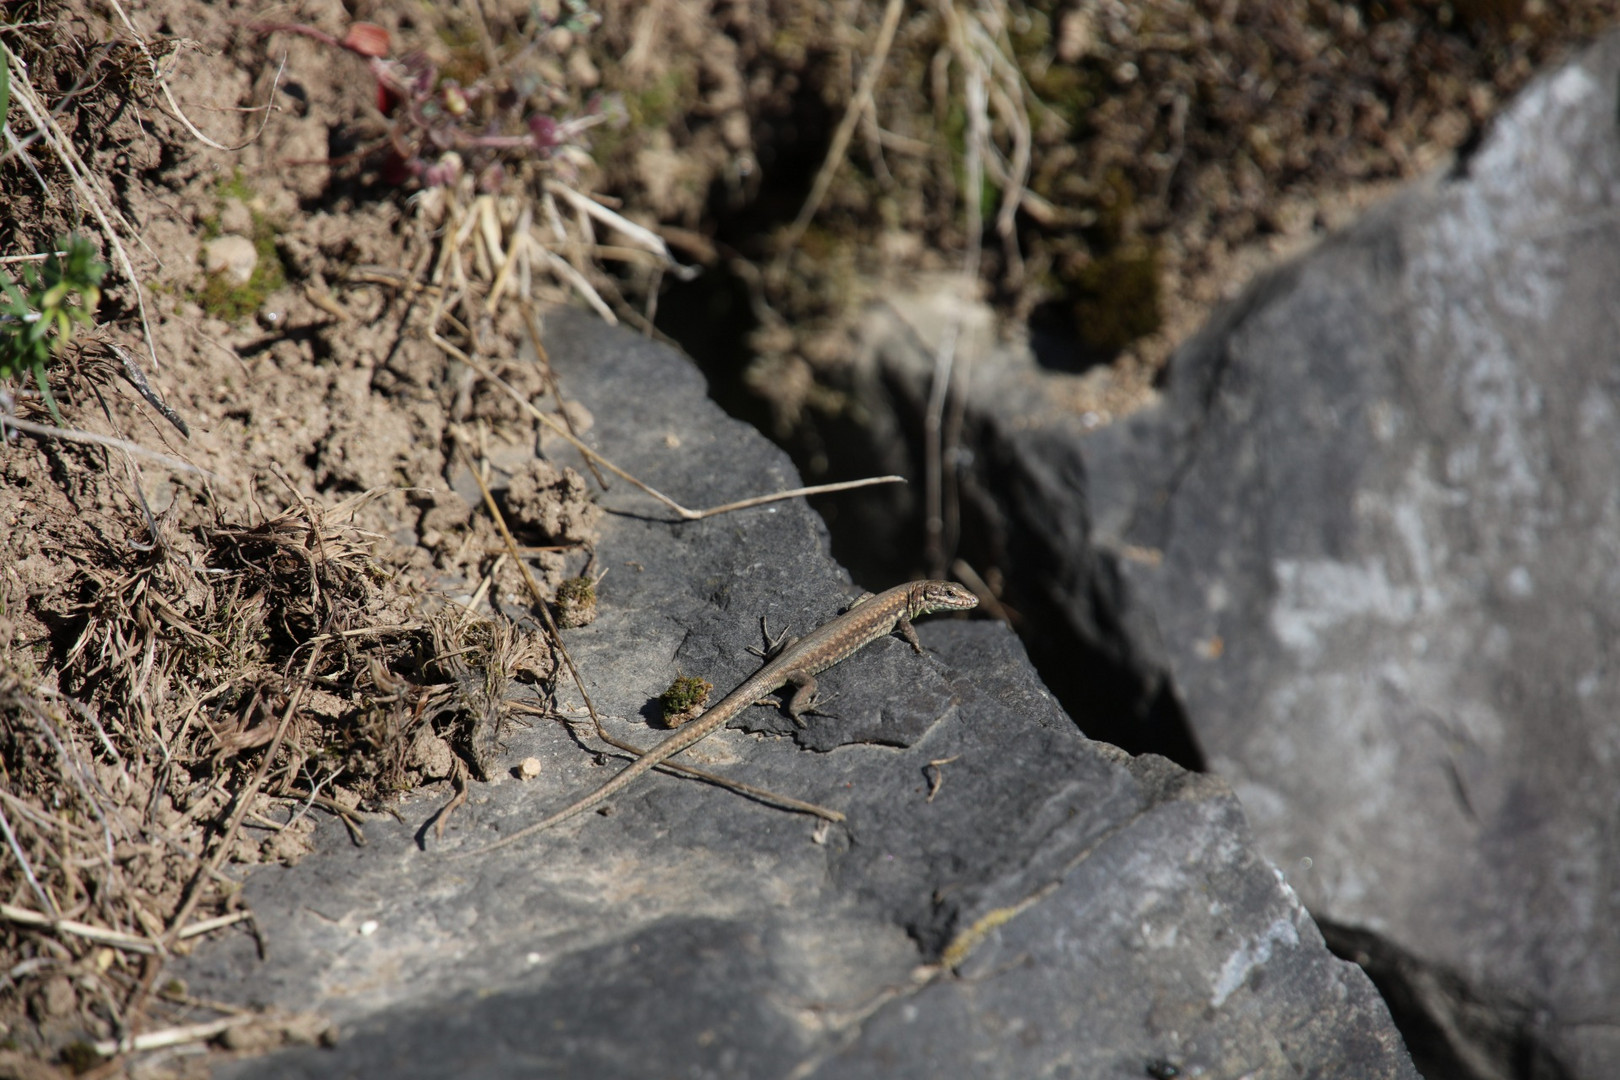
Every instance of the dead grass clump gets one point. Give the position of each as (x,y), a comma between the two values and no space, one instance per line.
(212,689)
(473,664)
(487,114)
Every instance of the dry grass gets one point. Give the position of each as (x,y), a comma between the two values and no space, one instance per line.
(192,684)
(210,690)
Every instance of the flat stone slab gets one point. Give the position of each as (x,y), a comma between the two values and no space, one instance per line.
(1005,898)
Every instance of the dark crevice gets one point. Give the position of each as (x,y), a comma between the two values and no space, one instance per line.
(1093,668)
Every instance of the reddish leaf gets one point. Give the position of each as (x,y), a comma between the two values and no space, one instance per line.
(388,99)
(367,39)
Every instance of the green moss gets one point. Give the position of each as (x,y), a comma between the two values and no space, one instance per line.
(234,188)
(231,187)
(80,1057)
(1117,298)
(576,602)
(823,244)
(670,95)
(466,63)
(1069,90)
(954,128)
(223,298)
(683,698)
(1033,33)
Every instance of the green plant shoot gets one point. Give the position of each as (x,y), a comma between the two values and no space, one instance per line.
(5,84)
(36,320)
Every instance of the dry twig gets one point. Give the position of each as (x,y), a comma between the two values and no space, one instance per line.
(179,113)
(76,435)
(683,512)
(859,105)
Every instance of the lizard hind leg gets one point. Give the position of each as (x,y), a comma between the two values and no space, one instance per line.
(803,699)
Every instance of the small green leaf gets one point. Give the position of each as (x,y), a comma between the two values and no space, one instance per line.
(5,83)
(45,392)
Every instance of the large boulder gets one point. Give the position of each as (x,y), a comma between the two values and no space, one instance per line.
(1004,899)
(1368,545)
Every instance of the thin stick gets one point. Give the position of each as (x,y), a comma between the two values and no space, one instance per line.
(128,942)
(683,512)
(22,860)
(74,768)
(6,260)
(376,275)
(315,798)
(564,270)
(405,628)
(531,323)
(531,550)
(16,151)
(157,75)
(601,733)
(137,379)
(858,105)
(785,802)
(483,587)
(42,819)
(987,599)
(175,1036)
(513,257)
(528,578)
(978,136)
(197,929)
(616,253)
(645,238)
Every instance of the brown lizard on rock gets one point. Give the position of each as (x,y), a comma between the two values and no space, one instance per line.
(796,664)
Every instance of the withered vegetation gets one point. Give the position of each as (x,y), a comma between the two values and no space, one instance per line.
(213,687)
(194,667)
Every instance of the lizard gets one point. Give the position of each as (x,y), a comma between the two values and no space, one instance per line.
(796,664)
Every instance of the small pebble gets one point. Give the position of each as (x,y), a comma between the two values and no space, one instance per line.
(233,256)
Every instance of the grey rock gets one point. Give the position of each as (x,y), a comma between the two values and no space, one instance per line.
(1369,542)
(1102,913)
(1389,592)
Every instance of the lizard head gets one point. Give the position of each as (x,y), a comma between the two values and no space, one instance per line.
(929,596)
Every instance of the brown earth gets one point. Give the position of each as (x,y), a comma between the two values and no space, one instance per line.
(193,659)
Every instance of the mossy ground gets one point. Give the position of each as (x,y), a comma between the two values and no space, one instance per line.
(227,300)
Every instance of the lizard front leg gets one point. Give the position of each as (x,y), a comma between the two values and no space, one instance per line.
(909,632)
